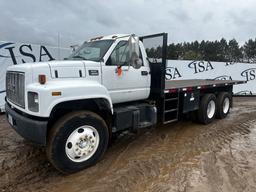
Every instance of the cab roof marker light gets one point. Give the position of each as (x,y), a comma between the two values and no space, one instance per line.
(96,38)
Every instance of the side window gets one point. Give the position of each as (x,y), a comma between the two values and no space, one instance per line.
(120,55)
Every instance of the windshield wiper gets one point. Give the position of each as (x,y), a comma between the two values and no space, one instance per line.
(78,56)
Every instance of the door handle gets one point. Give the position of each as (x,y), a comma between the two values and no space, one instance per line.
(144,73)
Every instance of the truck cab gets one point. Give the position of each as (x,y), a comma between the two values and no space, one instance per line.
(100,68)
(104,71)
(108,85)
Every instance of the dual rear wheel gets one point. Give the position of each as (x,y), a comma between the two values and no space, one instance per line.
(212,106)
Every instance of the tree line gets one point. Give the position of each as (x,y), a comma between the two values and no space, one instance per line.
(219,50)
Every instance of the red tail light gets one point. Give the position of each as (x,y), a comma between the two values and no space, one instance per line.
(172,90)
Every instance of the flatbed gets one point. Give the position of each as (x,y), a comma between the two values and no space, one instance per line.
(198,83)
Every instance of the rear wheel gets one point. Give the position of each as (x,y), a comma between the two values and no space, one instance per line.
(207,109)
(223,105)
(76,141)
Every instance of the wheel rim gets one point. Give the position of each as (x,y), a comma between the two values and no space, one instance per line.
(226,104)
(211,109)
(82,143)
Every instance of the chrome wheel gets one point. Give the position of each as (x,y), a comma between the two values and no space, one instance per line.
(226,105)
(82,143)
(211,109)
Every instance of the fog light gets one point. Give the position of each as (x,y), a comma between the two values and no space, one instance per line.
(33,102)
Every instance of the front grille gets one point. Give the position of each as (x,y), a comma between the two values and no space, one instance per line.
(15,87)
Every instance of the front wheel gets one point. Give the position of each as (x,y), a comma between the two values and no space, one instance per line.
(76,141)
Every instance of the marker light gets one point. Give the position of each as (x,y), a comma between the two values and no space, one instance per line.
(56,93)
(42,79)
(96,38)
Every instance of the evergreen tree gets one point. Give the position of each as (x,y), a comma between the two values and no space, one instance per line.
(224,49)
(234,51)
(221,51)
(250,50)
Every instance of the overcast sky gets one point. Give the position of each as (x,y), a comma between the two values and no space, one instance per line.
(40,21)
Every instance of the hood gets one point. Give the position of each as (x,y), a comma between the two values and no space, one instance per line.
(70,69)
(56,69)
(67,69)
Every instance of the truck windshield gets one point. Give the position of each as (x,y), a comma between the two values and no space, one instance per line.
(93,51)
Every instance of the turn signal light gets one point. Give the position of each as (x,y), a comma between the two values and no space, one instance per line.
(42,79)
(56,93)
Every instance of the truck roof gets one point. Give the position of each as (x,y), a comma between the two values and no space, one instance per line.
(109,37)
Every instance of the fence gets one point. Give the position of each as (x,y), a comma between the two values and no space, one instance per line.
(215,70)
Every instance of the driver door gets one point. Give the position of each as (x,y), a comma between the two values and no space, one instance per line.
(132,84)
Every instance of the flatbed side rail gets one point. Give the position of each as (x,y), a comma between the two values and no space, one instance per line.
(186,85)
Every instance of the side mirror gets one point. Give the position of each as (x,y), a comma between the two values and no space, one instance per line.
(134,52)
(138,63)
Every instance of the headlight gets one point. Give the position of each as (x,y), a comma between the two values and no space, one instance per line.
(33,103)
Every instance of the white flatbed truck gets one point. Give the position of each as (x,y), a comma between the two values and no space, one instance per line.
(106,86)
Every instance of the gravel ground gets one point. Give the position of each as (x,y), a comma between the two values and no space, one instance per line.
(184,156)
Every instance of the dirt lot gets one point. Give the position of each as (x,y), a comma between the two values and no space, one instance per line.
(180,157)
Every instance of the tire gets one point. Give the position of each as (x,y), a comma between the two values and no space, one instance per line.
(76,141)
(223,105)
(206,115)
